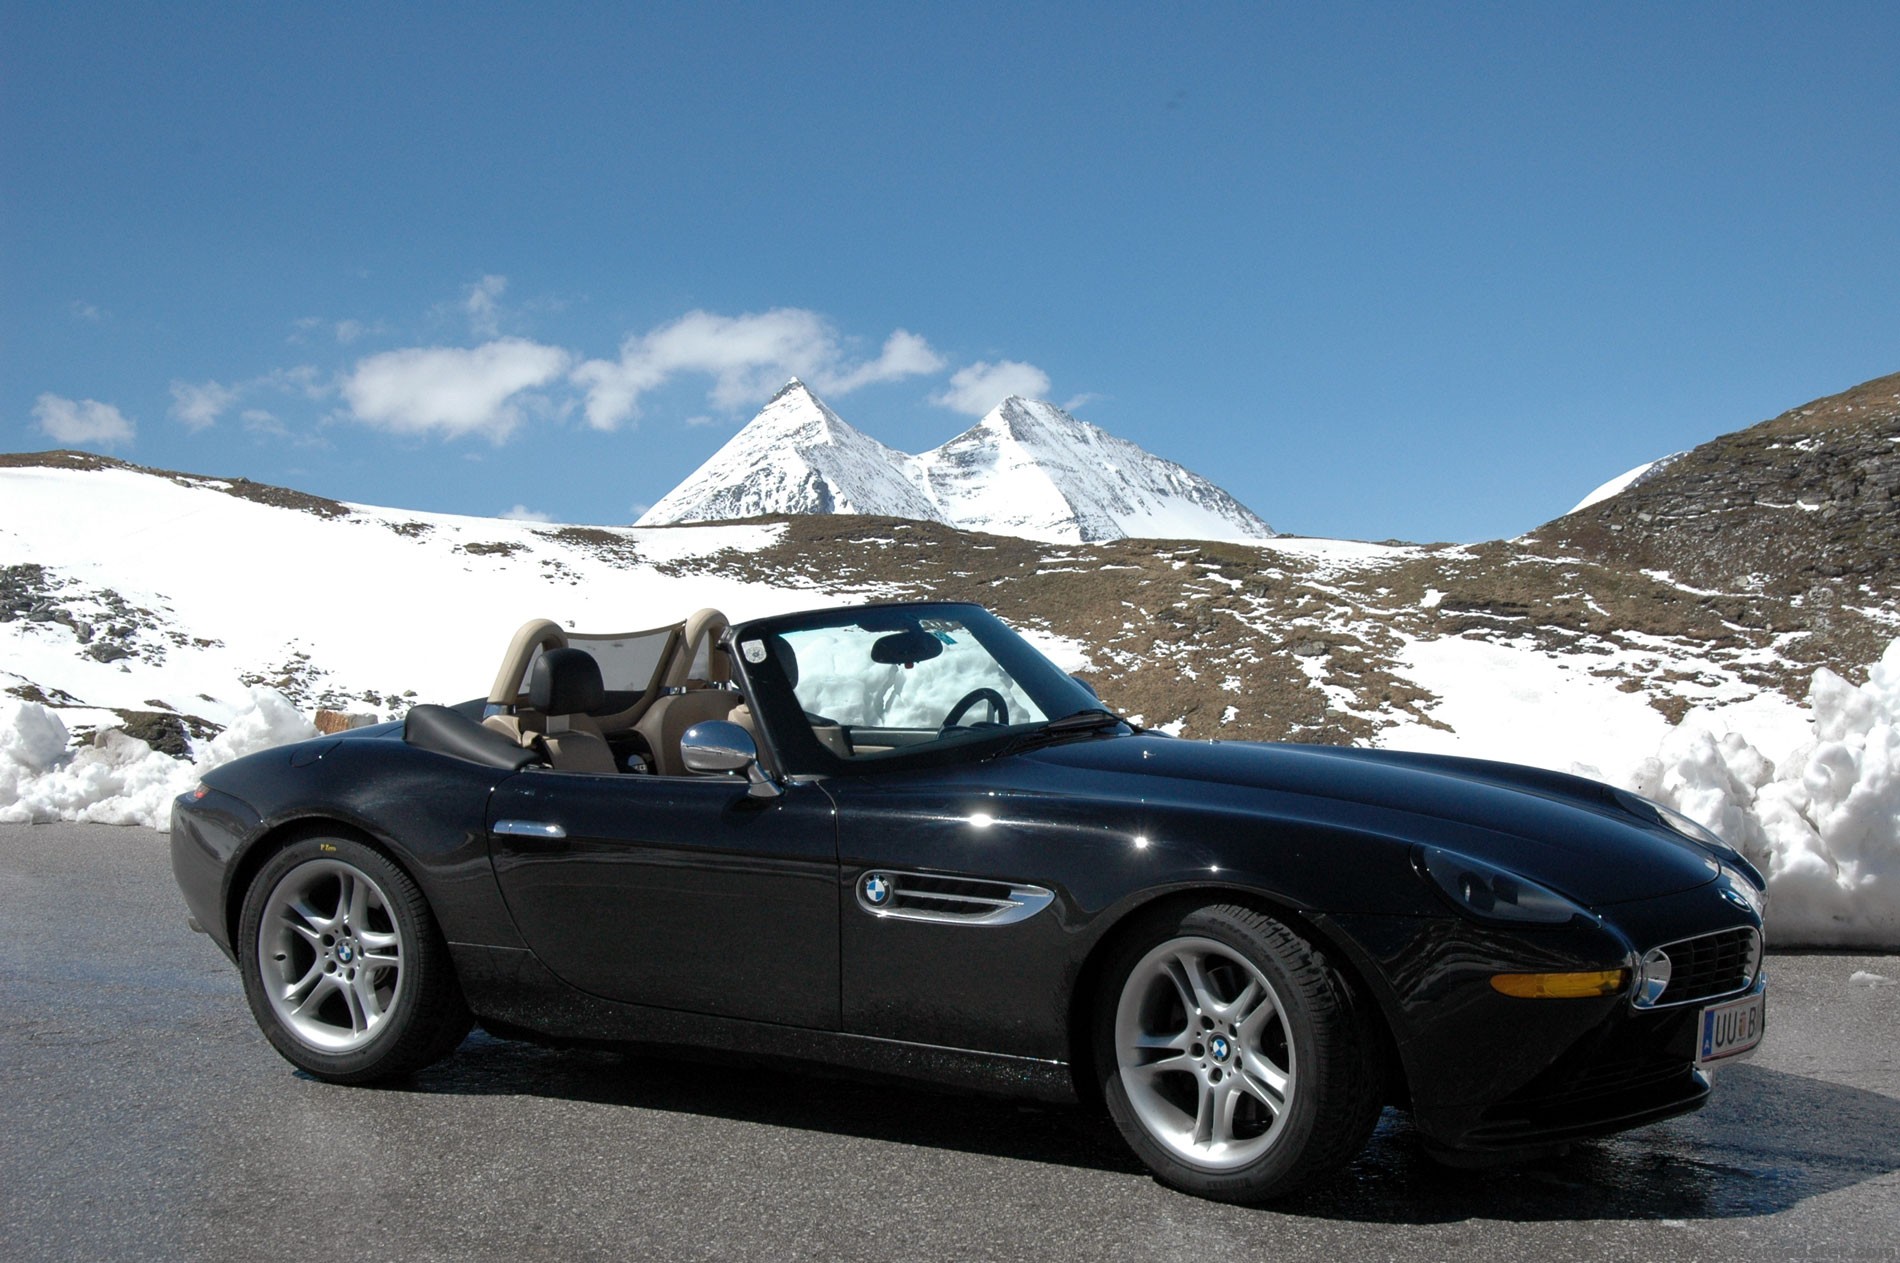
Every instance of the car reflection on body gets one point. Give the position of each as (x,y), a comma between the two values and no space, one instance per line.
(897,840)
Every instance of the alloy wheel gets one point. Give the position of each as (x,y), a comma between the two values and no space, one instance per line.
(1204,1054)
(330,955)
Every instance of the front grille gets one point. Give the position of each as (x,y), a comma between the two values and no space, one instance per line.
(1710,965)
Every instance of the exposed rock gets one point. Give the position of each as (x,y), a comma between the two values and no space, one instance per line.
(329,721)
(164,732)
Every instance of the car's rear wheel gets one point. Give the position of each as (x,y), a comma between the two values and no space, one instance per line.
(343,965)
(1233,1057)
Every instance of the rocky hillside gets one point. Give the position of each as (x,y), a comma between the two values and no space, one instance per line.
(1788,527)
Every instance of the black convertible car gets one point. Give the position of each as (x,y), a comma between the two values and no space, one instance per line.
(896,839)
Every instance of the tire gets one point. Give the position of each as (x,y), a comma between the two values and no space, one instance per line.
(1235,1060)
(344,967)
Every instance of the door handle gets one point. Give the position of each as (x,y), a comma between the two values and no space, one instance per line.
(530,829)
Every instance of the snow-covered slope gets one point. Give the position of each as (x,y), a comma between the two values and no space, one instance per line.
(129,589)
(1027,469)
(1031,469)
(796,456)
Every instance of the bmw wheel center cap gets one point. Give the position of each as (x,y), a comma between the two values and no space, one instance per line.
(1219,1047)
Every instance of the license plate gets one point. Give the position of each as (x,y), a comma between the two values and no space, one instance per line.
(1732,1029)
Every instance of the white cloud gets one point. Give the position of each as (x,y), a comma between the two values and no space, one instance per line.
(80,310)
(481,304)
(522,513)
(199,407)
(979,387)
(303,380)
(453,390)
(1082,400)
(259,421)
(905,355)
(348,331)
(747,357)
(81,421)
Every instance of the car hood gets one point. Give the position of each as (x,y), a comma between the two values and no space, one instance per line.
(1562,831)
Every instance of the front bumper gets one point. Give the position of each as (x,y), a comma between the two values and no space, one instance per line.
(1488,1071)
(1634,1068)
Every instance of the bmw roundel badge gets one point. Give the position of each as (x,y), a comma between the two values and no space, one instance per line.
(877,889)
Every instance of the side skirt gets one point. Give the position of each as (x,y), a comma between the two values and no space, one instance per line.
(515,995)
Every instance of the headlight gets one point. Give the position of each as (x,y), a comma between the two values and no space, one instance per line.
(1488,893)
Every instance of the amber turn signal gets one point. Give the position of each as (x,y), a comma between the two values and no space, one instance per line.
(1561,986)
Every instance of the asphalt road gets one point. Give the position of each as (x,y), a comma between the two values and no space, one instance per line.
(143,1116)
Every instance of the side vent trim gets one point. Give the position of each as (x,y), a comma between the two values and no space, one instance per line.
(948,900)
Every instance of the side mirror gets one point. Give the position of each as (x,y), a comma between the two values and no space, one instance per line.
(719,745)
(1085,684)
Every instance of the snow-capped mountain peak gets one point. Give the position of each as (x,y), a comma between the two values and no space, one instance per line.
(1027,468)
(796,456)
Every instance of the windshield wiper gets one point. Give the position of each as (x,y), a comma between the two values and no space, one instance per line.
(1092,720)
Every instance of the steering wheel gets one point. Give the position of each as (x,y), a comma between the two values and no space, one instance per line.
(999,709)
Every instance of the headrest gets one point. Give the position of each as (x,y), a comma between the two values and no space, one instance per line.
(907,647)
(787,660)
(566,682)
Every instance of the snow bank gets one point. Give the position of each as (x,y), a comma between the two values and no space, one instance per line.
(119,779)
(1824,825)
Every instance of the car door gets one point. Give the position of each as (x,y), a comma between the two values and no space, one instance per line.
(682,893)
(955,927)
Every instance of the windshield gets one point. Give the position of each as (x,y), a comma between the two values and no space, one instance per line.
(841,689)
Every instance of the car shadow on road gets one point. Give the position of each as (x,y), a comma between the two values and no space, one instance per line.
(1769,1141)
(807,1100)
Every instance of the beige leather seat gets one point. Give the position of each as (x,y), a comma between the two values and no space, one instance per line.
(684,700)
(669,718)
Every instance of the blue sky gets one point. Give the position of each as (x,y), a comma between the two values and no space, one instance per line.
(1380,271)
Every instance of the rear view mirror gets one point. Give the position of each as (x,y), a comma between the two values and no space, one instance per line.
(906,648)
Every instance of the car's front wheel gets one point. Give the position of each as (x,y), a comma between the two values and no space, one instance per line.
(343,965)
(1233,1057)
